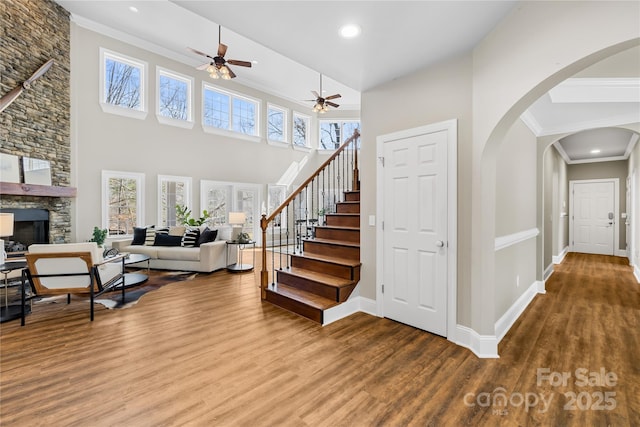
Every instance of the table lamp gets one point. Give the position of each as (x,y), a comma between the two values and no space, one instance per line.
(237,220)
(6,230)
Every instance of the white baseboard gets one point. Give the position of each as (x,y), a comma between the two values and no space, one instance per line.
(557,259)
(354,304)
(636,273)
(548,272)
(513,313)
(483,346)
(620,252)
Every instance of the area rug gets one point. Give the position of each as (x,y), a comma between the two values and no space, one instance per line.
(113,300)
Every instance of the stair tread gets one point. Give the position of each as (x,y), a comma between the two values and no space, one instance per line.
(344,213)
(312,300)
(334,242)
(331,259)
(338,227)
(349,202)
(323,278)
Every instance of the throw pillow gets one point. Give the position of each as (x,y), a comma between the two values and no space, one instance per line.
(190,237)
(163,230)
(139,235)
(167,240)
(151,236)
(207,236)
(177,230)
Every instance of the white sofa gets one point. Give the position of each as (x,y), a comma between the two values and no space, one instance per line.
(206,258)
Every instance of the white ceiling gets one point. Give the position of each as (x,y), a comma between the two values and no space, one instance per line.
(294,41)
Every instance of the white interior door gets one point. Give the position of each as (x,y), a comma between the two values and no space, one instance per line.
(415,231)
(594,216)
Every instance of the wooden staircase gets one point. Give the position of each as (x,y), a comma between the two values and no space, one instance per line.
(328,269)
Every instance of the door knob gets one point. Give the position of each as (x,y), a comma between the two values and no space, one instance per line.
(439,243)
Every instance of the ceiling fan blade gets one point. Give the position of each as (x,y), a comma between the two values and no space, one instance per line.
(231,73)
(39,72)
(222,49)
(203,66)
(337,95)
(239,63)
(333,104)
(316,94)
(197,52)
(9,97)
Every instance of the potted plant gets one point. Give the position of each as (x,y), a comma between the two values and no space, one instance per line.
(99,236)
(183,216)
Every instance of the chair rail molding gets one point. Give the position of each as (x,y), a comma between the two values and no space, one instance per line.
(512,239)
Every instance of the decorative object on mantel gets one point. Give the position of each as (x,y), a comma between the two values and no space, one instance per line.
(36,171)
(8,98)
(9,168)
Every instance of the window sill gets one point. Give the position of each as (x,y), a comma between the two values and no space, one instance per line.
(185,124)
(230,134)
(303,149)
(122,111)
(278,143)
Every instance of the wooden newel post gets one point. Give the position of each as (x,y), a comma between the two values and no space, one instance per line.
(264,273)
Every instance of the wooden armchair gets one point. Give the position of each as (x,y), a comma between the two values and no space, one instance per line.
(71,269)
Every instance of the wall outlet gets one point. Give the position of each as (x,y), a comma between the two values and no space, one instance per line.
(518,281)
(372,220)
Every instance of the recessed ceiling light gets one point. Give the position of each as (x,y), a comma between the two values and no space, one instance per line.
(350,31)
(133,9)
(596,151)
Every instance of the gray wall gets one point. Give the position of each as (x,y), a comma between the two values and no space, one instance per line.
(618,169)
(516,178)
(103,141)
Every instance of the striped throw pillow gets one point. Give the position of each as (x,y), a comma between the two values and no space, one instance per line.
(151,236)
(190,237)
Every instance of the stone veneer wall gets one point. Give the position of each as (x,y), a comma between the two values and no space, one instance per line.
(37,124)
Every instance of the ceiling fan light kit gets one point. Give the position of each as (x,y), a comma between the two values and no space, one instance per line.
(322,104)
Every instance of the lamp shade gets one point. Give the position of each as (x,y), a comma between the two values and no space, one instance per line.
(237,218)
(6,224)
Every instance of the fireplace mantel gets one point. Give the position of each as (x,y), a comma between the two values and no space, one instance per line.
(17,189)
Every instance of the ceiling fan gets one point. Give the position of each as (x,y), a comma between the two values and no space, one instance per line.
(217,67)
(322,103)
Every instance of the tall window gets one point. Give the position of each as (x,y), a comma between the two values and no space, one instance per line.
(122,201)
(301,124)
(227,111)
(333,133)
(174,98)
(276,123)
(172,191)
(122,82)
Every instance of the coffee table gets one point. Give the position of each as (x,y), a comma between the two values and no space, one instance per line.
(134,279)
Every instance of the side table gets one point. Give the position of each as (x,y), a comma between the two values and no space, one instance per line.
(239,266)
(133,279)
(10,312)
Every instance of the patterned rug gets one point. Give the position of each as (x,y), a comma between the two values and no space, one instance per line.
(157,279)
(113,300)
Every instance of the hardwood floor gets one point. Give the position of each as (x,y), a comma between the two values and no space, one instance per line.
(209,352)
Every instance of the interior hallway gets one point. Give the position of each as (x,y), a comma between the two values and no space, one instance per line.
(208,352)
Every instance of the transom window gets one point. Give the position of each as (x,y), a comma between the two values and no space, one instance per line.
(123,84)
(333,133)
(276,123)
(122,201)
(174,100)
(301,124)
(228,111)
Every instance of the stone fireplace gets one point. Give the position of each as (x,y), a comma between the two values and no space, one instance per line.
(37,124)
(29,226)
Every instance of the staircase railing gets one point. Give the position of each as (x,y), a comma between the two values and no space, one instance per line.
(295,219)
